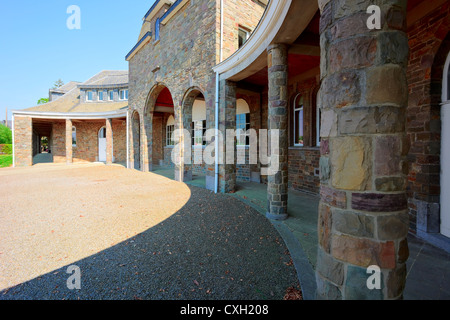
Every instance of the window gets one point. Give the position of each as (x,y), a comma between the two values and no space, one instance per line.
(318,120)
(123,94)
(198,133)
(102,133)
(243,35)
(298,120)
(242,123)
(157,27)
(89,95)
(170,128)
(198,126)
(111,95)
(102,95)
(74,137)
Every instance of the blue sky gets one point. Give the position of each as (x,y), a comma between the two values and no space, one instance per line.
(37,48)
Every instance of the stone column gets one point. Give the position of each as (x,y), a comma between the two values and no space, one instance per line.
(363,218)
(109,142)
(277,189)
(227,147)
(69,152)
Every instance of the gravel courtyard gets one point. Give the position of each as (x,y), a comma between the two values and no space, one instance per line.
(133,235)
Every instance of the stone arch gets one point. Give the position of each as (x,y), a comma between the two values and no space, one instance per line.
(192,158)
(155,116)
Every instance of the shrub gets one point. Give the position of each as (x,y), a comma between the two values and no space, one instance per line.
(5,135)
(6,149)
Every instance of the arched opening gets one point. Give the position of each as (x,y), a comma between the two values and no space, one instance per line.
(159,108)
(445,150)
(194,115)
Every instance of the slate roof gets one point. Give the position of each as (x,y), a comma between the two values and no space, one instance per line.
(70,101)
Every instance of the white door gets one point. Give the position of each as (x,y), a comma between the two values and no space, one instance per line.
(102,145)
(445,152)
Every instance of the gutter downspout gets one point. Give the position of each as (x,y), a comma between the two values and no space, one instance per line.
(128,141)
(216,138)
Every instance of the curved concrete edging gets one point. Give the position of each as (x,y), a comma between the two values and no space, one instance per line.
(305,273)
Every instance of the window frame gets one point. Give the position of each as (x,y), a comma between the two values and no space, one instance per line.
(125,94)
(247,35)
(295,110)
(110,92)
(245,132)
(170,129)
(91,92)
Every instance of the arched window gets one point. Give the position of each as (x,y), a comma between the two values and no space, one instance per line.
(242,123)
(198,128)
(298,120)
(102,133)
(157,28)
(170,128)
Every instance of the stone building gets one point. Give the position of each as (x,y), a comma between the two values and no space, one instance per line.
(354,90)
(82,122)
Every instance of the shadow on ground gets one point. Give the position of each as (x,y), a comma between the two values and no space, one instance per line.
(214,248)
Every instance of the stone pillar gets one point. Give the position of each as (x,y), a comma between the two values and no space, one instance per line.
(69,153)
(363,218)
(109,142)
(182,153)
(227,149)
(277,188)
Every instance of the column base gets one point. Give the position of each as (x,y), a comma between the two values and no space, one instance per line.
(276,217)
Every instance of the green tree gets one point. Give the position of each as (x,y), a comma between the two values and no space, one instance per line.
(5,135)
(42,101)
(58,84)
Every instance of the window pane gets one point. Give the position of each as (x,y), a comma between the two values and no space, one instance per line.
(126,94)
(111,95)
(74,137)
(100,95)
(89,95)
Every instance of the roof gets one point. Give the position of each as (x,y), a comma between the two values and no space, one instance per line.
(70,102)
(66,88)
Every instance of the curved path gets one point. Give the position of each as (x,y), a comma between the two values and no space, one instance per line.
(133,235)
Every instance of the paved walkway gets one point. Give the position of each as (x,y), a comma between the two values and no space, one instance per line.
(428,267)
(133,235)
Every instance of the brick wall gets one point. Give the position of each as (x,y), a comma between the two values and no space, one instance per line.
(239,13)
(428,50)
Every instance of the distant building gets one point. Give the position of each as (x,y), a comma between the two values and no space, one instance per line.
(84,122)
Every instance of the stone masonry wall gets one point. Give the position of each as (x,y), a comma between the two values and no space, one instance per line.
(181,60)
(23,141)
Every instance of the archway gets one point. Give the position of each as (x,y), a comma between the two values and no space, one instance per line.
(159,108)
(194,115)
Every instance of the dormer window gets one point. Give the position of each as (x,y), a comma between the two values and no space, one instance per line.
(123,94)
(89,95)
(101,95)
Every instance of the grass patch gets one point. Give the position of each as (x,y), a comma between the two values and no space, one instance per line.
(6,160)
